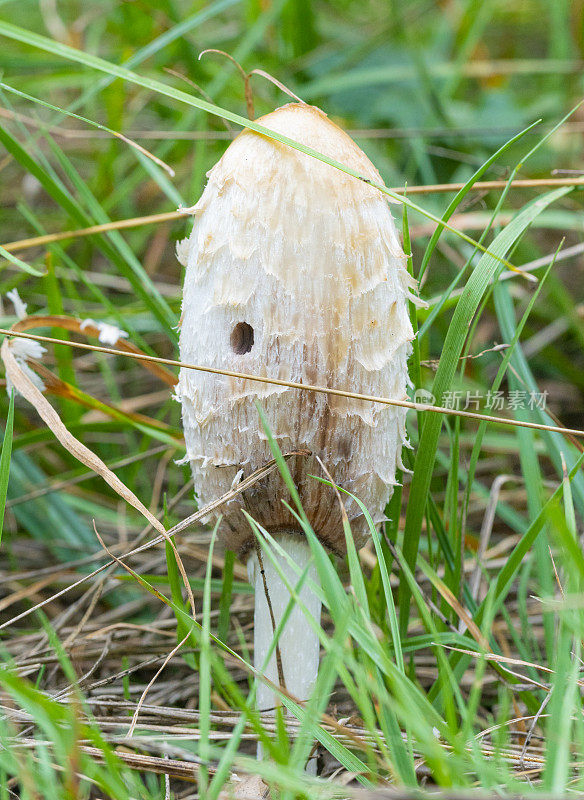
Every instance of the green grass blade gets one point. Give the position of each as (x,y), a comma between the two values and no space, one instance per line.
(226,596)
(205,670)
(512,565)
(17,262)
(487,269)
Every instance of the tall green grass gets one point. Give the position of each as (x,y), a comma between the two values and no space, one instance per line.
(430,676)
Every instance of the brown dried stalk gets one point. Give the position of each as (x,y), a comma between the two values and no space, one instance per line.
(306,387)
(154,219)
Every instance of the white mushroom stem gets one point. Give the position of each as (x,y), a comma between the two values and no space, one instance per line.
(298,643)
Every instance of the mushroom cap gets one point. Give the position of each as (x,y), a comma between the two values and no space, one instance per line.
(294,270)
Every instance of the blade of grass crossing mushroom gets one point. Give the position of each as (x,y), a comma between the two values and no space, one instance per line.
(349,760)
(443,411)
(336,748)
(337,602)
(5,456)
(298,657)
(340,609)
(487,268)
(249,714)
(355,571)
(341,619)
(386,717)
(393,616)
(317,705)
(294,664)
(72,54)
(331,589)
(272,559)
(391,610)
(406,699)
(330,582)
(281,463)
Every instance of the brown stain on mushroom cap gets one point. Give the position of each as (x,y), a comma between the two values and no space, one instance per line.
(306,257)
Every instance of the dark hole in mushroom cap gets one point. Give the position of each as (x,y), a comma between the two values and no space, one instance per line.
(241,338)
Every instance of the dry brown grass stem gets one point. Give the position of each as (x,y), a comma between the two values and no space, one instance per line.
(520,183)
(134,222)
(306,387)
(168,216)
(88,328)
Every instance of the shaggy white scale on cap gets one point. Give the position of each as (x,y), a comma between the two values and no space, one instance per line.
(294,270)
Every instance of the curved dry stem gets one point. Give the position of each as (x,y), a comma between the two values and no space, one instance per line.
(242,72)
(277,83)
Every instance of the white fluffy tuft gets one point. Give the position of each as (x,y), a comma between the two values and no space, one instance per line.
(108,334)
(23,349)
(17,302)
